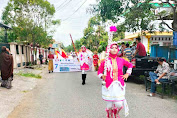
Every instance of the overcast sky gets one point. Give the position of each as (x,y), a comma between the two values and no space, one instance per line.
(74,24)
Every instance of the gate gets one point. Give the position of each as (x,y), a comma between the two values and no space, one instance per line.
(167,52)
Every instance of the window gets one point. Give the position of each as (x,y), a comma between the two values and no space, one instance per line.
(17,50)
(167,44)
(22,50)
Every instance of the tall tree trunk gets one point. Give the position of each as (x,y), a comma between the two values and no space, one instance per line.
(174,24)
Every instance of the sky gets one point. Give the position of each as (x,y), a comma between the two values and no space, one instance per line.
(71,22)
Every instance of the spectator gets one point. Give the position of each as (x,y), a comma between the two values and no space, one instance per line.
(95,60)
(122,49)
(50,57)
(40,58)
(160,75)
(6,67)
(128,52)
(140,49)
(133,47)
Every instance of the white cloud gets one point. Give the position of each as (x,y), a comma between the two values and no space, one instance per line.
(3,4)
(74,24)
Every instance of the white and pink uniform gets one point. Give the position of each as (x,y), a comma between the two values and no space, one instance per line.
(83,57)
(84,61)
(114,90)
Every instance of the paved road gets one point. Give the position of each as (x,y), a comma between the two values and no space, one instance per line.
(61,95)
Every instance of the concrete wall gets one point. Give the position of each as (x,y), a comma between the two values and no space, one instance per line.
(156,40)
(162,41)
(21,60)
(144,40)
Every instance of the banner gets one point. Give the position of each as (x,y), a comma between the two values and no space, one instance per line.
(66,65)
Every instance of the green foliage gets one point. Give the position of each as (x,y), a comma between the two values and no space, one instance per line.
(1,35)
(109,9)
(102,47)
(69,48)
(94,37)
(78,44)
(56,22)
(138,16)
(30,20)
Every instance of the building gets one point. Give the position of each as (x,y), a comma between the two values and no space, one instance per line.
(158,38)
(57,45)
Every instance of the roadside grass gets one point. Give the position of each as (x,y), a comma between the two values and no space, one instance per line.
(38,76)
(38,68)
(25,91)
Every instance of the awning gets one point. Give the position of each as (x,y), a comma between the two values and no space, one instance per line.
(157,33)
(5,26)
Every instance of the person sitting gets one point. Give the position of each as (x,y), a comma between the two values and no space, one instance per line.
(128,52)
(122,49)
(133,47)
(160,75)
(140,49)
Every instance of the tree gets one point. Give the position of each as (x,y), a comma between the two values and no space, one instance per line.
(138,15)
(109,9)
(25,16)
(31,21)
(163,14)
(69,48)
(94,34)
(78,45)
(95,37)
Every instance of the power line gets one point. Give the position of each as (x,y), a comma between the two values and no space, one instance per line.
(60,5)
(75,10)
(64,5)
(63,13)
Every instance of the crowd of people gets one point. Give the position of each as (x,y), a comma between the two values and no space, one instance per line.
(136,50)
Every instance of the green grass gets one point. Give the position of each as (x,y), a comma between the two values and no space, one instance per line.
(24,91)
(141,77)
(38,68)
(30,75)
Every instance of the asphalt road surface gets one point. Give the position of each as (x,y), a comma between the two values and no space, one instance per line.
(61,95)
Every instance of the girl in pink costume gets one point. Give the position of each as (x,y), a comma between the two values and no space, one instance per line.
(83,57)
(113,89)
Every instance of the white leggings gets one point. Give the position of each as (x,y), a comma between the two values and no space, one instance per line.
(83,72)
(110,105)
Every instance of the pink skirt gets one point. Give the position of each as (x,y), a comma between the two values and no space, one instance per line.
(85,67)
